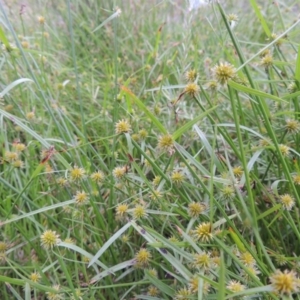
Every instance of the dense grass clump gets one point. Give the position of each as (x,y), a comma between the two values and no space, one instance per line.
(149,151)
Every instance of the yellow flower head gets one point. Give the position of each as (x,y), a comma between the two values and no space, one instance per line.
(267,61)
(202,261)
(166,143)
(224,72)
(97,177)
(81,198)
(292,126)
(122,126)
(121,209)
(49,239)
(77,173)
(142,258)
(139,212)
(183,294)
(177,177)
(192,89)
(191,75)
(195,209)
(287,201)
(284,282)
(235,286)
(119,172)
(35,277)
(203,232)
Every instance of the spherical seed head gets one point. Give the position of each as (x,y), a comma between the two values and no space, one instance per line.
(285,150)
(155,195)
(250,270)
(18,164)
(41,19)
(267,61)
(224,72)
(11,156)
(125,238)
(19,147)
(183,294)
(139,212)
(35,277)
(274,37)
(97,177)
(119,172)
(296,179)
(232,17)
(284,283)
(265,52)
(77,173)
(194,286)
(247,259)
(153,291)
(55,295)
(191,75)
(122,126)
(30,116)
(81,198)
(121,209)
(287,201)
(202,261)
(195,209)
(228,192)
(3,246)
(166,143)
(143,134)
(203,232)
(142,258)
(292,88)
(235,286)
(192,89)
(212,85)
(61,181)
(49,239)
(156,180)
(237,171)
(292,126)
(177,177)
(152,272)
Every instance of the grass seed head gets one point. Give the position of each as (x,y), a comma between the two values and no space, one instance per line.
(123,126)
(191,75)
(223,72)
(195,209)
(97,177)
(284,283)
(35,277)
(203,232)
(49,239)
(142,258)
(81,198)
(192,89)
(183,294)
(287,201)
(77,174)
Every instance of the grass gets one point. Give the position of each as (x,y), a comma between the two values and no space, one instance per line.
(148,151)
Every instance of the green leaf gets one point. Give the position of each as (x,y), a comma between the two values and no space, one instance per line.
(3,38)
(297,71)
(221,289)
(109,242)
(248,90)
(143,107)
(260,18)
(189,124)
